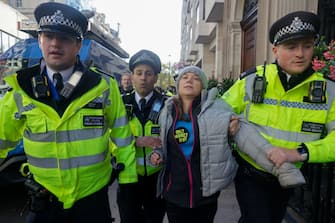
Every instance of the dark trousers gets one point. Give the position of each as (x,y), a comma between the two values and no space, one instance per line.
(93,208)
(138,203)
(201,214)
(260,196)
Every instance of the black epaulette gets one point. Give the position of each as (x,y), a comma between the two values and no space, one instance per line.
(165,97)
(128,98)
(248,72)
(129,93)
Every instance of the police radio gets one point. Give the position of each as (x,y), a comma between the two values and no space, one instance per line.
(155,109)
(259,88)
(40,86)
(317,92)
(71,84)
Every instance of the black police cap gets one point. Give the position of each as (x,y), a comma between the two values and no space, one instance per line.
(146,57)
(295,25)
(60,18)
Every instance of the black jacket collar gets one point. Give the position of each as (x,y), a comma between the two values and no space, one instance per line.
(294,79)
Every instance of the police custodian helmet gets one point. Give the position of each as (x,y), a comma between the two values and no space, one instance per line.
(145,57)
(60,18)
(295,25)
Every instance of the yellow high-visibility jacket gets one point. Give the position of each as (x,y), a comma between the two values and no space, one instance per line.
(69,154)
(142,167)
(138,130)
(287,118)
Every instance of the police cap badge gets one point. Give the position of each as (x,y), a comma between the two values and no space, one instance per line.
(295,25)
(60,18)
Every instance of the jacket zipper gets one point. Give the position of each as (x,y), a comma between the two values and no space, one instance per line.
(188,162)
(190,179)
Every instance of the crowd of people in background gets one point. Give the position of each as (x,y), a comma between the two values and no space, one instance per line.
(170,90)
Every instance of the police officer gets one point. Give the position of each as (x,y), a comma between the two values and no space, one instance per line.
(291,104)
(137,202)
(66,114)
(126,86)
(170,91)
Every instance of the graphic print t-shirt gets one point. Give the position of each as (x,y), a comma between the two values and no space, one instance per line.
(184,137)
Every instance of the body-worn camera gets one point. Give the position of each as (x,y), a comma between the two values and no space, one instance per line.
(317,92)
(40,86)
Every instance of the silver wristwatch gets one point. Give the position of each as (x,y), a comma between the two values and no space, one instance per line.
(303,151)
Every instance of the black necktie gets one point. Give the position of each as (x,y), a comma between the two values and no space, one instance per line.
(58,80)
(142,104)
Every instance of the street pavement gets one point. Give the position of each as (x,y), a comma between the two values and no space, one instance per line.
(13,199)
(228,210)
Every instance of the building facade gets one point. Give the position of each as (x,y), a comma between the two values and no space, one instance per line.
(98,30)
(9,19)
(13,12)
(223,36)
(27,7)
(9,33)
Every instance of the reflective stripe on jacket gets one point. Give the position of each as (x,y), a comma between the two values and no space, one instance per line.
(142,152)
(285,118)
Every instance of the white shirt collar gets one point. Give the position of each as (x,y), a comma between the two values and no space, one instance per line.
(66,74)
(288,77)
(138,97)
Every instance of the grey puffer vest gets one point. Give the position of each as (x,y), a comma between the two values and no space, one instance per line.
(218,167)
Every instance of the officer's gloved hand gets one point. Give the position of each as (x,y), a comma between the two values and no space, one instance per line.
(117,168)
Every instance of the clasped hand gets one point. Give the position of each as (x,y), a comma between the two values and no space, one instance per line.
(280,155)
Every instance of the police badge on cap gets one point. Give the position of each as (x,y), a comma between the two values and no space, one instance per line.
(60,18)
(295,25)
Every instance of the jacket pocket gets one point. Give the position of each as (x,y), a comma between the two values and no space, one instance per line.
(36,124)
